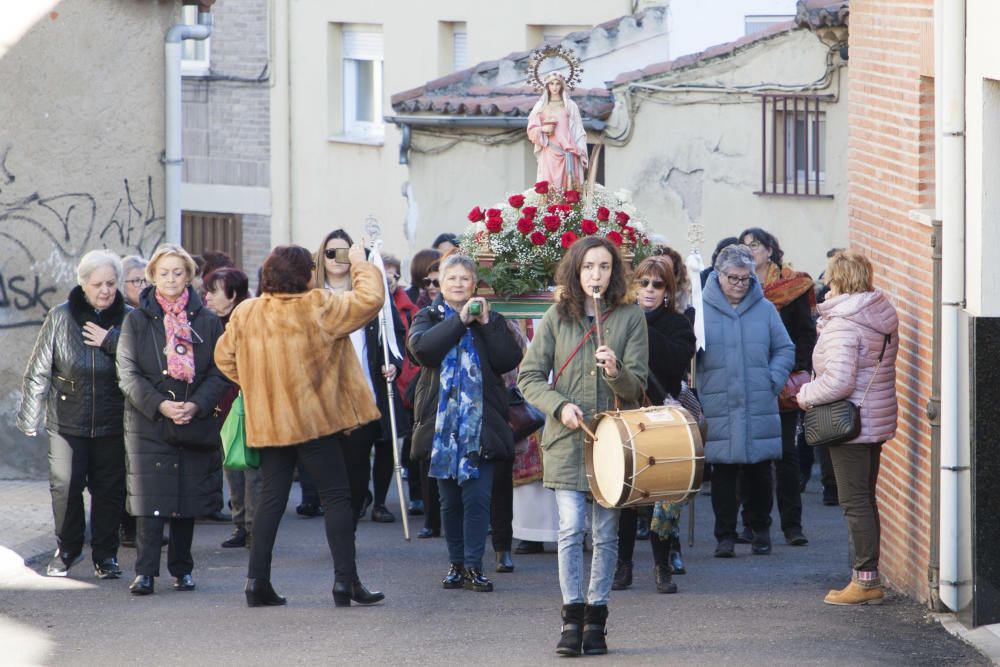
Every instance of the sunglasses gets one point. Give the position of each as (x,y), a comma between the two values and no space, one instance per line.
(655,282)
(432,281)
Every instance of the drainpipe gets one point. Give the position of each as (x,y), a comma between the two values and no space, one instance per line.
(954,457)
(173,155)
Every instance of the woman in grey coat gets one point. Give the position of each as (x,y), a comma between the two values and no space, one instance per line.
(747,357)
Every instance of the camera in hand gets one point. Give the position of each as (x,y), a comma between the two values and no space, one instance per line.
(475,308)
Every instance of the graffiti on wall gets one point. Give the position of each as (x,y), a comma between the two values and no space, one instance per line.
(43,236)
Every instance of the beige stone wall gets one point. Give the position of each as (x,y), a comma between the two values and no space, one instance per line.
(696,157)
(80,143)
(336,183)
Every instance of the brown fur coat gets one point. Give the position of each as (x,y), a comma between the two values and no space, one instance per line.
(292,356)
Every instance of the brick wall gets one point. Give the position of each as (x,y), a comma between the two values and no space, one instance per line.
(891,172)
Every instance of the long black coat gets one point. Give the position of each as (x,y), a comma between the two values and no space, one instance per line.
(431,338)
(376,359)
(75,383)
(798,321)
(163,480)
(671,345)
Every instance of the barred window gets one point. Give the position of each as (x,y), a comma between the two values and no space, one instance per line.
(793,146)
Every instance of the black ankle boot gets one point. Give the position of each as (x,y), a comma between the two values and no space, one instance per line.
(260,593)
(676,562)
(623,576)
(344,594)
(595,620)
(664,582)
(476,581)
(571,641)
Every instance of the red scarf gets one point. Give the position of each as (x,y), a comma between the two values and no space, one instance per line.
(179,335)
(784,285)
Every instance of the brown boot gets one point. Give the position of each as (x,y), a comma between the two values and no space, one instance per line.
(855,594)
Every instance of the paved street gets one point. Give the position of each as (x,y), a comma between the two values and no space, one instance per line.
(752,610)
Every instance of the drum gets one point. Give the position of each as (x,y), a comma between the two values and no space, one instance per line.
(639,457)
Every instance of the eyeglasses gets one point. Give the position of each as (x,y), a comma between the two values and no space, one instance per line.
(394,276)
(754,245)
(655,282)
(431,281)
(737,280)
(137,282)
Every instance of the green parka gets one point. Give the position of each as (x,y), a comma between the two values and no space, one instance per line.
(581,383)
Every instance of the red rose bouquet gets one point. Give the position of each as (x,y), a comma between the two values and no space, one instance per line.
(527,235)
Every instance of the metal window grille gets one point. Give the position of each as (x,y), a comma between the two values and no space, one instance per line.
(793,148)
(213,231)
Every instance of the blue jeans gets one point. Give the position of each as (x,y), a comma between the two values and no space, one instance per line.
(465,515)
(572,524)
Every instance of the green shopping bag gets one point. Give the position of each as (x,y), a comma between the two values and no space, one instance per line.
(234,440)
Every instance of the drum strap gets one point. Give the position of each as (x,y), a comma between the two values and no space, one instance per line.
(590,333)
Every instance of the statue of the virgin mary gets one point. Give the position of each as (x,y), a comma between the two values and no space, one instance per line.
(556,129)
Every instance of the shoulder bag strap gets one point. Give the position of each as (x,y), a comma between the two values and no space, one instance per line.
(885,342)
(590,333)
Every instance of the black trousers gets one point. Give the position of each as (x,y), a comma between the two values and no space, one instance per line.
(382,468)
(432,500)
(98,464)
(754,490)
(787,477)
(412,470)
(357,446)
(502,506)
(323,460)
(149,542)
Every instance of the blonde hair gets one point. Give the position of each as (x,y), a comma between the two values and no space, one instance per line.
(849,272)
(171,250)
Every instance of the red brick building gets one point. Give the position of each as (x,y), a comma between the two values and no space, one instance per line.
(891,188)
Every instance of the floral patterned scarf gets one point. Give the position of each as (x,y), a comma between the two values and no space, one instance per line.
(459,422)
(178,332)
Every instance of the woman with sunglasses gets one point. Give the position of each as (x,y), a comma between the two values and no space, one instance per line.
(333,273)
(595,371)
(167,371)
(743,368)
(671,346)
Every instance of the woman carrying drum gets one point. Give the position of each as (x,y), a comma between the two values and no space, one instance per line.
(671,346)
(599,359)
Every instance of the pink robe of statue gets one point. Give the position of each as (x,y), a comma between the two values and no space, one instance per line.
(558,155)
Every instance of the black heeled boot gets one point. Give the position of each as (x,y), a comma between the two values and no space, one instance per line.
(260,593)
(571,642)
(504,562)
(595,620)
(344,594)
(676,562)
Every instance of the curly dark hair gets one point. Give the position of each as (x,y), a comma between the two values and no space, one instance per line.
(570,296)
(287,270)
(768,240)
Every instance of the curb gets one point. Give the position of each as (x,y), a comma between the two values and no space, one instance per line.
(982,638)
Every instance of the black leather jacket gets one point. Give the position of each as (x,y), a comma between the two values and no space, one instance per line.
(76,382)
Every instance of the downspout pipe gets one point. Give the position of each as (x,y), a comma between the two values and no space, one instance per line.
(173,154)
(954,586)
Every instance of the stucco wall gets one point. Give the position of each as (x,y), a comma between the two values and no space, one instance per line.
(696,157)
(80,142)
(338,184)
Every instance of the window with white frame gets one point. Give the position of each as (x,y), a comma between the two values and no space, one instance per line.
(363,54)
(195,60)
(459,47)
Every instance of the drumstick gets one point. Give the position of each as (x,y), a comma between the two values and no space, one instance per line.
(588,431)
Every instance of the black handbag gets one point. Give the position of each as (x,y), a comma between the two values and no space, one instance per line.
(523,417)
(840,421)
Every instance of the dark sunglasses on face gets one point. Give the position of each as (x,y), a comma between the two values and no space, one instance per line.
(655,282)
(432,281)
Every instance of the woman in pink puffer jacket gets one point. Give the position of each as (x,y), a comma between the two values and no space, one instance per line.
(855,321)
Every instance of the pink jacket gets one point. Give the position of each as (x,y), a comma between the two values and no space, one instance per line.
(852,328)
